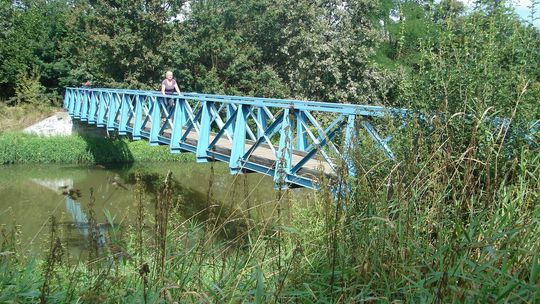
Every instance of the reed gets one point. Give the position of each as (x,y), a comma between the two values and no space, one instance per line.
(442,225)
(54,258)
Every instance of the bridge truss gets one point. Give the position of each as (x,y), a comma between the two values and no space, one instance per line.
(295,142)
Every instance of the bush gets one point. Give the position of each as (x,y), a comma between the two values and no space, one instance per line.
(29,88)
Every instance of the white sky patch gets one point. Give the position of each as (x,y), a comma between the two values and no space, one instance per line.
(522,8)
(185,11)
(517,3)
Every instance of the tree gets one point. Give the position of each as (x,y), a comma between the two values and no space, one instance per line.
(122,42)
(29,41)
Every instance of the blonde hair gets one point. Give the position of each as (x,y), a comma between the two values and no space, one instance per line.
(168,72)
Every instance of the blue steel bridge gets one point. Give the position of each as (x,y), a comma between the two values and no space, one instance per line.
(295,142)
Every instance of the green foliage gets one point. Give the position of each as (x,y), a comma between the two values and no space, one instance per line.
(321,50)
(24,148)
(125,41)
(29,88)
(479,61)
(141,151)
(31,31)
(304,49)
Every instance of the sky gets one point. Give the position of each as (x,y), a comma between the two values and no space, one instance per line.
(522,8)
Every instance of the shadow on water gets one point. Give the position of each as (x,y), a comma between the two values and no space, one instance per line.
(196,205)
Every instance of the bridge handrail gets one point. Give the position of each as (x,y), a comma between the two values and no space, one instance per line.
(342,108)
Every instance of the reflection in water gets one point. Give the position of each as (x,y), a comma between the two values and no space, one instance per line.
(74,209)
(80,221)
(54,184)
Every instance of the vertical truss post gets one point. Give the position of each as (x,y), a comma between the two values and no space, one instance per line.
(350,142)
(239,139)
(179,121)
(71,102)
(301,134)
(84,107)
(112,112)
(204,133)
(138,119)
(124,114)
(78,101)
(230,111)
(261,118)
(92,111)
(101,109)
(66,99)
(156,121)
(284,153)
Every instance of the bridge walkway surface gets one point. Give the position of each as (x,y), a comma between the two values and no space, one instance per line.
(263,156)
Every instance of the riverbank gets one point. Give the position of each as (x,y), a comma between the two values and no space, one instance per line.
(20,148)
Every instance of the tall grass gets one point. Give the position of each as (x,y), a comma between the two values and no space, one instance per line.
(429,228)
(13,119)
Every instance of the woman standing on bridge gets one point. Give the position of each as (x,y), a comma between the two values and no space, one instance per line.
(168,87)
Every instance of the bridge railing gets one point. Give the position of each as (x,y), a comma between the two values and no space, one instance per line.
(293,141)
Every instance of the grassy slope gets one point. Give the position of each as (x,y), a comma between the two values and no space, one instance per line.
(19,117)
(16,147)
(24,148)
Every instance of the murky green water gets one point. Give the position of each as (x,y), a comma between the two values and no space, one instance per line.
(30,194)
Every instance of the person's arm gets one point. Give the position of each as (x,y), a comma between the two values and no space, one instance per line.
(162,89)
(177,88)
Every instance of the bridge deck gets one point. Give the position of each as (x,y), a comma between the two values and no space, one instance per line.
(262,155)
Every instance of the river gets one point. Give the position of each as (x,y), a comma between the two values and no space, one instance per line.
(30,194)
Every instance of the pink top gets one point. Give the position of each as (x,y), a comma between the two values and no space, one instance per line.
(169,86)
